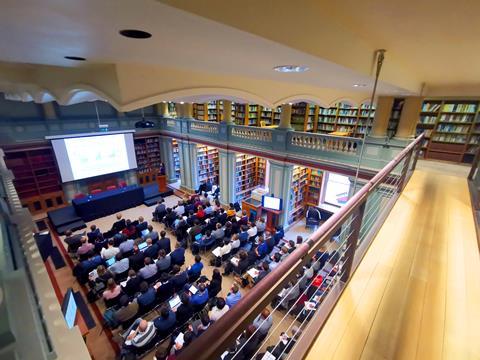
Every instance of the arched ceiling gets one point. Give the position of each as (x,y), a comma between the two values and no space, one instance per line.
(209,49)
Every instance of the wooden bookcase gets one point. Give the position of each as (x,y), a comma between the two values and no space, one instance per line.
(246,114)
(200,111)
(452,129)
(326,119)
(207,158)
(37,179)
(314,186)
(395,116)
(147,152)
(269,116)
(297,194)
(249,174)
(211,111)
(176,158)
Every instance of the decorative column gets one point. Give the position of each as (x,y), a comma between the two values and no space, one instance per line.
(188,110)
(227,112)
(226,175)
(162,109)
(187,152)
(285,117)
(382,116)
(179,109)
(49,111)
(166,151)
(409,118)
(279,184)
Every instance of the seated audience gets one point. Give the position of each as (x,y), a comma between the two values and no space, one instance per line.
(234,296)
(179,278)
(195,270)
(73,241)
(140,334)
(275,261)
(152,234)
(147,296)
(263,322)
(164,242)
(120,266)
(199,327)
(219,233)
(112,291)
(180,208)
(260,224)
(82,269)
(185,310)
(285,344)
(103,275)
(178,255)
(137,258)
(126,246)
(127,311)
(200,298)
(215,284)
(130,230)
(231,211)
(160,210)
(151,250)
(85,248)
(248,343)
(149,270)
(264,271)
(165,323)
(164,261)
(93,234)
(240,266)
(218,310)
(110,251)
(165,288)
(119,225)
(132,286)
(181,342)
(142,225)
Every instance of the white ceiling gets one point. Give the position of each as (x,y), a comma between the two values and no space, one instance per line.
(43,32)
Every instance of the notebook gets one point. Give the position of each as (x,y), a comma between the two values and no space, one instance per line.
(142,246)
(174,302)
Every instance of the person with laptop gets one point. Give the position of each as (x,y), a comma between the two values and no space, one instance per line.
(194,271)
(142,225)
(110,251)
(120,265)
(178,255)
(151,250)
(126,246)
(200,298)
(185,310)
(149,269)
(153,234)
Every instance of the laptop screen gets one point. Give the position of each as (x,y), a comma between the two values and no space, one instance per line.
(174,302)
(145,232)
(142,246)
(111,261)
(198,237)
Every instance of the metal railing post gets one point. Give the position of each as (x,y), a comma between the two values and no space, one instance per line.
(403,176)
(352,241)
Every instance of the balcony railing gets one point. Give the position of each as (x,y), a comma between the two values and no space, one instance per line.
(334,250)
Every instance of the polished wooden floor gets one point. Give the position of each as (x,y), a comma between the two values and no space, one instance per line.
(416,295)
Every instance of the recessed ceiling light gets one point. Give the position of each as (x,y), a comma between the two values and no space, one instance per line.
(75,58)
(291,68)
(359,85)
(182,102)
(135,34)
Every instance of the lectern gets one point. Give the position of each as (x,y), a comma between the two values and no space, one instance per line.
(162,183)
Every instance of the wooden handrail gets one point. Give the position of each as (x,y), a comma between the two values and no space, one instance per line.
(212,343)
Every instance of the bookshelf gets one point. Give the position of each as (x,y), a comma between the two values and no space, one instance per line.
(364,119)
(395,116)
(249,174)
(297,194)
(269,116)
(176,158)
(326,119)
(313,187)
(299,116)
(207,159)
(451,129)
(37,179)
(147,152)
(200,111)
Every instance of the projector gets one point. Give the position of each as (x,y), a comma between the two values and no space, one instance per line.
(144,124)
(103,127)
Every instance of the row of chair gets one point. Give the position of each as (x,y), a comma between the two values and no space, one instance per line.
(121,184)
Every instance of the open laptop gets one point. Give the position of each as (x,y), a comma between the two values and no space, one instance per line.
(142,246)
(174,302)
(111,261)
(198,237)
(145,232)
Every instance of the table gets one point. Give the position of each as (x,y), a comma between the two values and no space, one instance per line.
(108,202)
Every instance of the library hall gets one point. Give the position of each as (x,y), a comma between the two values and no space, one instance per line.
(239,180)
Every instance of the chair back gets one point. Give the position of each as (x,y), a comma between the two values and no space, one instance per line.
(79,196)
(96,191)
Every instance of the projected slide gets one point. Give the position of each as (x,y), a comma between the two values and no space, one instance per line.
(96,155)
(88,156)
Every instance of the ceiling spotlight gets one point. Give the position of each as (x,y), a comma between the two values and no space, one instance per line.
(75,58)
(359,85)
(135,34)
(291,68)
